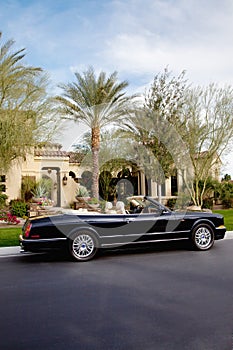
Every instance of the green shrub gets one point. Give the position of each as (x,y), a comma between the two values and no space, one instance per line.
(171,202)
(3,198)
(18,208)
(28,185)
(226,194)
(227,203)
(208,203)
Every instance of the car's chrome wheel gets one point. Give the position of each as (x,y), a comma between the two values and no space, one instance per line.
(83,246)
(203,237)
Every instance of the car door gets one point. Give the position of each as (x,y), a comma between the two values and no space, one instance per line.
(111,228)
(148,226)
(156,227)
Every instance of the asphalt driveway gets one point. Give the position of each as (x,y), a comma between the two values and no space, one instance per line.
(154,299)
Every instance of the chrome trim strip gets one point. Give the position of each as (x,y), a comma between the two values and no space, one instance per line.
(41,240)
(130,235)
(153,241)
(145,233)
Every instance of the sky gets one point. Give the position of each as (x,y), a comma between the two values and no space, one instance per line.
(137,38)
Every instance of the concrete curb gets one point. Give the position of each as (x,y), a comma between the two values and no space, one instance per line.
(229,235)
(12,251)
(8,251)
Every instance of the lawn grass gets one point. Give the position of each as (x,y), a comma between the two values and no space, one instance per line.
(228,217)
(9,236)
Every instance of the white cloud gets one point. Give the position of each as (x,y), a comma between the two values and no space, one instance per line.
(180,34)
(138,38)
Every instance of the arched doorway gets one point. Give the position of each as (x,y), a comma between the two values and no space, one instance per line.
(55,175)
(120,184)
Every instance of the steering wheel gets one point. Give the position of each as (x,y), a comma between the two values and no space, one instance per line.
(137,209)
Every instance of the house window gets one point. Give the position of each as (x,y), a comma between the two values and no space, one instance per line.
(174,185)
(2,178)
(2,183)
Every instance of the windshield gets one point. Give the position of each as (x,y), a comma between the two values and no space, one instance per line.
(146,205)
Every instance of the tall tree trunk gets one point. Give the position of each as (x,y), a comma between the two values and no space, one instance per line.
(95,146)
(197,193)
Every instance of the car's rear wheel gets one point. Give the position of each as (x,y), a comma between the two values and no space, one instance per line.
(202,237)
(83,245)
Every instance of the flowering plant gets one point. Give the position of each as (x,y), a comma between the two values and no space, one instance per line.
(46,202)
(8,218)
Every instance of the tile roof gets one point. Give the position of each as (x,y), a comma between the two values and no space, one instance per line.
(55,153)
(50,153)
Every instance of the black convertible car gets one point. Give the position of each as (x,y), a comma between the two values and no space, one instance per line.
(146,222)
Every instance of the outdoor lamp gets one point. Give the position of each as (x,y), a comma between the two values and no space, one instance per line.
(64,180)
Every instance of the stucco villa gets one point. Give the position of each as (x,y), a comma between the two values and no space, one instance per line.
(65,169)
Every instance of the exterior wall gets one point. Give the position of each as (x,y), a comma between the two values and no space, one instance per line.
(68,191)
(55,169)
(13,181)
(215,171)
(168,187)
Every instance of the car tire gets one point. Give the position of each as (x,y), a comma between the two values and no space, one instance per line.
(202,237)
(83,245)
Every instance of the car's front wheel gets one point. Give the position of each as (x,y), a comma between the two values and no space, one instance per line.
(83,245)
(202,237)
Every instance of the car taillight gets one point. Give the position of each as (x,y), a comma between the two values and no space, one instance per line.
(27,230)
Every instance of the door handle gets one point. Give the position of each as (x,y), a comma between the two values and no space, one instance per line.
(129,220)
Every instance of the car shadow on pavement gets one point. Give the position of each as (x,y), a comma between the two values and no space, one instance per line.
(147,249)
(63,256)
(44,257)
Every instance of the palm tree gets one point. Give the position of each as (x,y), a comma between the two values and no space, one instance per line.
(26,110)
(97,102)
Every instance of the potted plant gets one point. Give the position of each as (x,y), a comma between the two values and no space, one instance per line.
(82,194)
(42,190)
(93,202)
(46,203)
